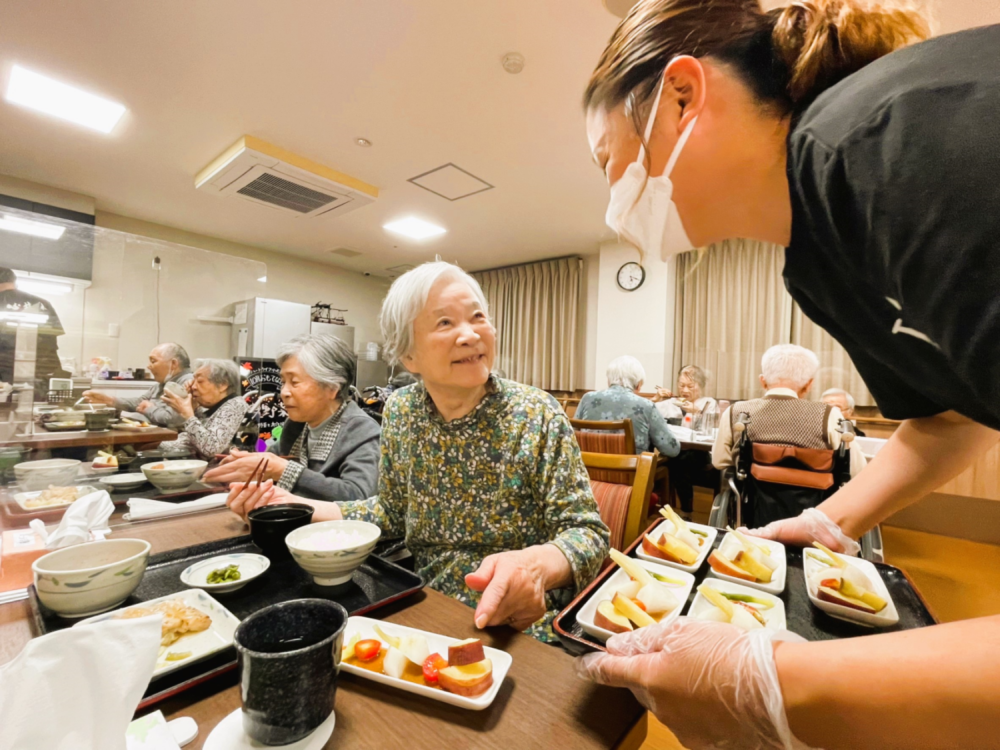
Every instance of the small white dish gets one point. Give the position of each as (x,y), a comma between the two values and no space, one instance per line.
(251,566)
(619,578)
(229,735)
(23,498)
(365,627)
(730,545)
(774,617)
(201,645)
(887,617)
(123,482)
(668,526)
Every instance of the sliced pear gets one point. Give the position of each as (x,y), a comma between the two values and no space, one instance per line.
(632,611)
(715,597)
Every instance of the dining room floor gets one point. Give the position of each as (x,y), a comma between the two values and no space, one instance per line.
(958,579)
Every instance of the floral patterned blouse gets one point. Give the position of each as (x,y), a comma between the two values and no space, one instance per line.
(506,476)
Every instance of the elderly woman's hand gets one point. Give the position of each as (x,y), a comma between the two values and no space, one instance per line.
(514,585)
(711,683)
(662,394)
(239,468)
(183,405)
(244,497)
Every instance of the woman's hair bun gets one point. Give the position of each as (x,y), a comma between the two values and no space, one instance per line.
(823,41)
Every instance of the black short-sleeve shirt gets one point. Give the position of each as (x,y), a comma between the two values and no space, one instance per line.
(895,247)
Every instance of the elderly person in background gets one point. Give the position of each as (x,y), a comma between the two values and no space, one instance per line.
(482,476)
(331,444)
(620,400)
(691,382)
(168,363)
(215,388)
(845,402)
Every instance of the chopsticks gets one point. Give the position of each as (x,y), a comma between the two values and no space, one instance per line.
(262,468)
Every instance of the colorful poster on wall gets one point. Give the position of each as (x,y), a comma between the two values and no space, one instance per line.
(261,380)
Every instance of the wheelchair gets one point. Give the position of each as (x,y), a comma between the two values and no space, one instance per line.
(805,477)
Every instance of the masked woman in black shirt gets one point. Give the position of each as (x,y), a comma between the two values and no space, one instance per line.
(880,173)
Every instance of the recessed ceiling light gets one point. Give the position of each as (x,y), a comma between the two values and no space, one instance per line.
(414,228)
(34,228)
(61,100)
(363,142)
(262,278)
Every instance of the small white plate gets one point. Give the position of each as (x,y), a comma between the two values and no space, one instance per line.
(124,427)
(710,534)
(201,645)
(124,482)
(773,617)
(251,566)
(365,627)
(885,618)
(619,578)
(23,497)
(730,545)
(229,735)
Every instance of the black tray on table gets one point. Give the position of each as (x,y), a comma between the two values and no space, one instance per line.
(802,617)
(375,584)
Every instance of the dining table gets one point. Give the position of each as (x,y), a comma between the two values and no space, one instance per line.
(42,439)
(542,703)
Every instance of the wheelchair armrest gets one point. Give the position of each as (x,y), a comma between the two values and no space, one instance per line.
(871,546)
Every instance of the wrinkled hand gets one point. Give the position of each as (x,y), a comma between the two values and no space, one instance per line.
(183,405)
(513,585)
(812,525)
(712,684)
(96,397)
(143,406)
(239,468)
(662,394)
(244,497)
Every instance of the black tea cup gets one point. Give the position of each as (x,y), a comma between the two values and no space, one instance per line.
(270,524)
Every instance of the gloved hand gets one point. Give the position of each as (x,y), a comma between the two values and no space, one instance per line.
(812,525)
(713,684)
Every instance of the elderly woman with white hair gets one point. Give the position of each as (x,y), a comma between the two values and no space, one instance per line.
(328,448)
(212,408)
(621,400)
(482,476)
(845,402)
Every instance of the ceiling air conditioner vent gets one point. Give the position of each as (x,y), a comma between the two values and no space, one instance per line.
(254,170)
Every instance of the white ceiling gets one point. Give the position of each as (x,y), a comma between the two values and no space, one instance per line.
(421,79)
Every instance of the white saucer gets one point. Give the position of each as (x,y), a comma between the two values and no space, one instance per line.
(228,735)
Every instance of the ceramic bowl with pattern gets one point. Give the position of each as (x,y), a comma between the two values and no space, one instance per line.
(332,550)
(50,472)
(174,475)
(89,578)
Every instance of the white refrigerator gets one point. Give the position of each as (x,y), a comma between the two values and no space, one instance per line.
(261,325)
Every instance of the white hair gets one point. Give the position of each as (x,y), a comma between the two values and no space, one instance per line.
(839,392)
(789,364)
(325,358)
(407,297)
(221,372)
(626,371)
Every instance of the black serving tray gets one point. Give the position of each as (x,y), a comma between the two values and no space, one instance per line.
(802,617)
(375,584)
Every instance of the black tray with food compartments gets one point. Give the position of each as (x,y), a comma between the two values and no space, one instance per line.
(802,616)
(375,584)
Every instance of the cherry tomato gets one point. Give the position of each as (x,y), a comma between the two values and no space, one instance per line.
(367,650)
(432,664)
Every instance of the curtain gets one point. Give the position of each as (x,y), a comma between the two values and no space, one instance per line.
(534,309)
(732,306)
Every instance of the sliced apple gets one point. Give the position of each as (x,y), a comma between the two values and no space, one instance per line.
(715,597)
(835,597)
(650,548)
(469,680)
(745,560)
(630,566)
(465,652)
(609,618)
(873,600)
(721,564)
(656,599)
(676,550)
(632,611)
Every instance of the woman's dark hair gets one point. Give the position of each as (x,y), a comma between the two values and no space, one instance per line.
(786,57)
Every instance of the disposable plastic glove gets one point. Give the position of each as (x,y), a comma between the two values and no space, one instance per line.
(713,684)
(811,525)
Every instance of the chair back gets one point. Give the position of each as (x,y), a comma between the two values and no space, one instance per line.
(615,438)
(623,507)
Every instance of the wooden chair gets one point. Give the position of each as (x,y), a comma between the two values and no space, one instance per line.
(624,506)
(617,438)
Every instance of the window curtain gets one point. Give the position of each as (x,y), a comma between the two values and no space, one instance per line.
(732,306)
(534,309)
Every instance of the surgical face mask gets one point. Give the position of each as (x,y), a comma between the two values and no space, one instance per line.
(648,217)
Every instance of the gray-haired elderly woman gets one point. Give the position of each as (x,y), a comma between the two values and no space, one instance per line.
(215,388)
(482,476)
(333,445)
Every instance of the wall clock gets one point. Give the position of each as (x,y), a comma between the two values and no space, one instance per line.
(630,276)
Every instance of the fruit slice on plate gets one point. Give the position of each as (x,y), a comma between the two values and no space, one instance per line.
(835,597)
(632,611)
(611,619)
(675,550)
(721,564)
(465,652)
(755,568)
(715,597)
(873,600)
(468,680)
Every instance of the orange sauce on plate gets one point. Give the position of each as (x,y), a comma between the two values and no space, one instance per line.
(411,673)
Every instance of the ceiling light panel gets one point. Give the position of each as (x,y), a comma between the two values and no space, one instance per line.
(451,182)
(35,228)
(52,97)
(414,228)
